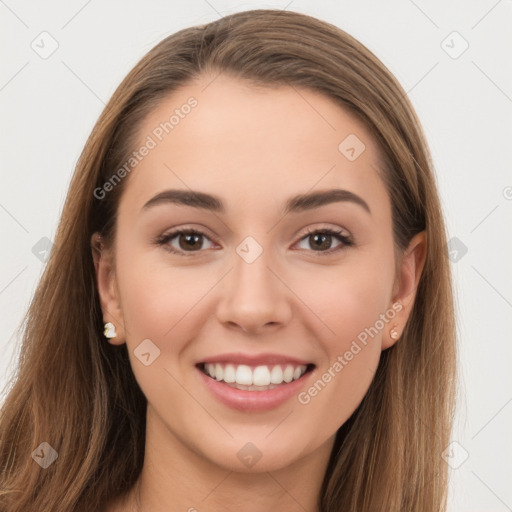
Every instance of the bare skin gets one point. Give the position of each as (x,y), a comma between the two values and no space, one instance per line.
(254,148)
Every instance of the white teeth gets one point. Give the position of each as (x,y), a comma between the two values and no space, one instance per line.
(253,378)
(288,374)
(276,376)
(243,375)
(261,376)
(229,373)
(219,372)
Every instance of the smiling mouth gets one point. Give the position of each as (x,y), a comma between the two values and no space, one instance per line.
(255,378)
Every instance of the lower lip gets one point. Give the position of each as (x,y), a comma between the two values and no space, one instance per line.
(254,400)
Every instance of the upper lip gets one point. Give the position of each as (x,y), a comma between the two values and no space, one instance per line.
(254,359)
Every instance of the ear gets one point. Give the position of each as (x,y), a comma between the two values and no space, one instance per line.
(405,287)
(107,288)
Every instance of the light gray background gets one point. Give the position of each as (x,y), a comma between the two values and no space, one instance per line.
(49,105)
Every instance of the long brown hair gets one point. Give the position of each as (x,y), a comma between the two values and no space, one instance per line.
(77,392)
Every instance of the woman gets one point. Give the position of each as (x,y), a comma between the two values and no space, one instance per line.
(249,301)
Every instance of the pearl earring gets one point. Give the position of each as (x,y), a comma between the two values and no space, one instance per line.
(394,332)
(110,330)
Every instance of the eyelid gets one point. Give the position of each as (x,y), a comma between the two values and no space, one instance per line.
(338,230)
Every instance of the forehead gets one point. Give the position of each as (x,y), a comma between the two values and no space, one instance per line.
(253,146)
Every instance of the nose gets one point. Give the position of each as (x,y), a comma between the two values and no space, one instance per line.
(254,297)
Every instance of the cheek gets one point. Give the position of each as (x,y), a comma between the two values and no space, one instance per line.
(350,340)
(349,302)
(338,388)
(156,298)
(346,300)
(162,304)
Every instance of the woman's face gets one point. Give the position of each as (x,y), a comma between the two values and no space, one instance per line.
(256,280)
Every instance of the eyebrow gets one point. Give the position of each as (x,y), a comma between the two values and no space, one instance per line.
(296,204)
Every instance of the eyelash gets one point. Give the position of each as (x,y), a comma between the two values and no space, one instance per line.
(164,240)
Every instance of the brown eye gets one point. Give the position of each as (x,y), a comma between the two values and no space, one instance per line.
(321,240)
(188,241)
